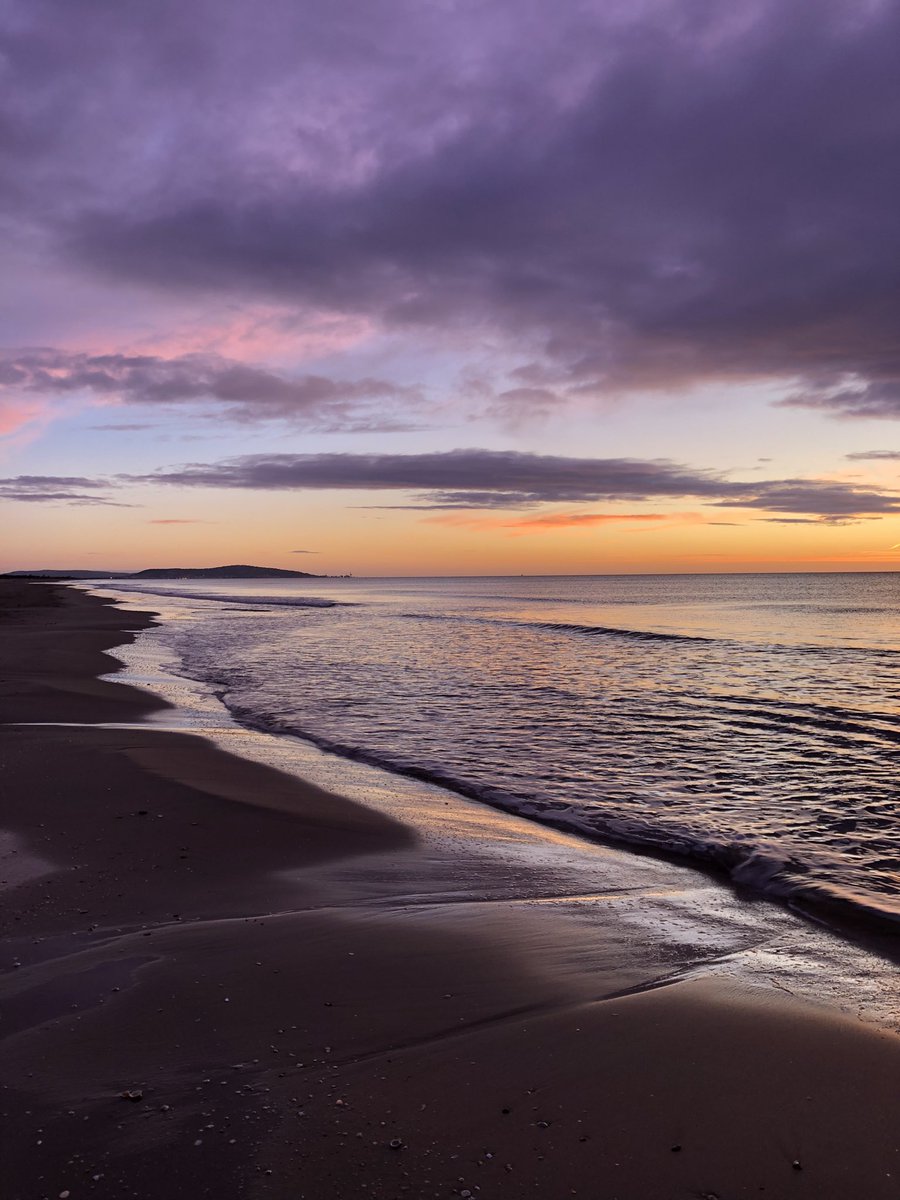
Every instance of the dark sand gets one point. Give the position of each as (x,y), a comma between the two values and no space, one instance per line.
(279,1049)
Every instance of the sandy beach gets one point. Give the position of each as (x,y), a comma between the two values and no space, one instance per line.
(185,1011)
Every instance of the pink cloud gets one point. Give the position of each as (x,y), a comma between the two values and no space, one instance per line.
(22,420)
(278,335)
(549,522)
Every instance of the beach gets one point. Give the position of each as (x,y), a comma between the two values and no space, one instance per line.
(191,1006)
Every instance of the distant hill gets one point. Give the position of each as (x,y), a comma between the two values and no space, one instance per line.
(233,572)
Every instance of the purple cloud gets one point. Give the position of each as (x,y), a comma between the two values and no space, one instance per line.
(512,479)
(485,479)
(645,194)
(853,398)
(242,391)
(71,489)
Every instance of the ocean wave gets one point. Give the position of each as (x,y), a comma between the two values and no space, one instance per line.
(651,635)
(764,869)
(779,606)
(802,716)
(642,635)
(240,598)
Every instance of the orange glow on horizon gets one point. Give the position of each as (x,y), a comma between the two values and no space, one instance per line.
(549,522)
(211,528)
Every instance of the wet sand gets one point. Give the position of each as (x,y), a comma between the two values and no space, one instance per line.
(167,934)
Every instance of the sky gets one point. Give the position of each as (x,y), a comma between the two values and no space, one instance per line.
(399,287)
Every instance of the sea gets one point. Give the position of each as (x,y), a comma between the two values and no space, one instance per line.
(749,724)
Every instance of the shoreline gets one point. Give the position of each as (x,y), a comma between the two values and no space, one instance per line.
(185,948)
(822,905)
(752,870)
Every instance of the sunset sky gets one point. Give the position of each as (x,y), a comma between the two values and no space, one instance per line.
(450,286)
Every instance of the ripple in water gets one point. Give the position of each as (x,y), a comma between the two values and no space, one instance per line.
(750,722)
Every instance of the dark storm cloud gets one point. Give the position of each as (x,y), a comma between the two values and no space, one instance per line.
(648,193)
(246,393)
(511,479)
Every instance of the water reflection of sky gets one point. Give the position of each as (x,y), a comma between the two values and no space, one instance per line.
(753,726)
(846,610)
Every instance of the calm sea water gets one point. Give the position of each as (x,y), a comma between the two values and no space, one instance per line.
(751,721)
